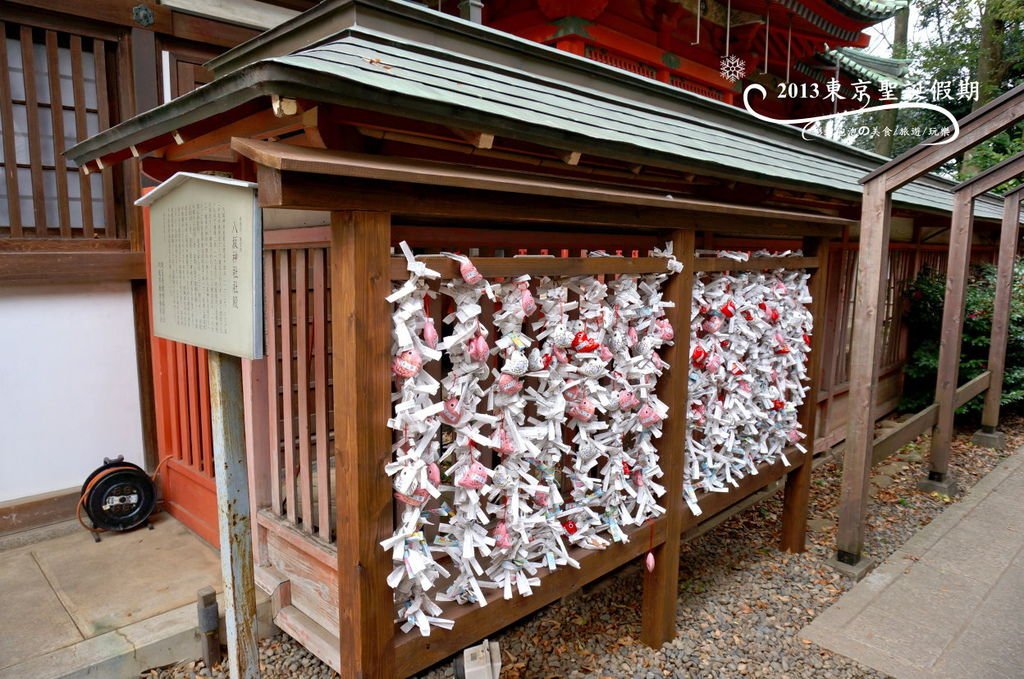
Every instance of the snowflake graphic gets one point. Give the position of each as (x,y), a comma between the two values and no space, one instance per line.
(732,68)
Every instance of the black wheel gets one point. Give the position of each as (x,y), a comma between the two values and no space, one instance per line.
(122,499)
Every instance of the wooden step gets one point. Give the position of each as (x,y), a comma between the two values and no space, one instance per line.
(311,635)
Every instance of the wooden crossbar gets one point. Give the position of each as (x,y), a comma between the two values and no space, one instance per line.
(716,264)
(414,652)
(920,422)
(510,267)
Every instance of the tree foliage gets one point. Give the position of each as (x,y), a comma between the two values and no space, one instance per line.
(924,320)
(974,40)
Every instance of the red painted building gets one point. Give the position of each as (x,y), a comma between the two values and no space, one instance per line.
(683,43)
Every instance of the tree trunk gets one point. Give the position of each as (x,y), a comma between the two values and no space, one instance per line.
(989,69)
(884,144)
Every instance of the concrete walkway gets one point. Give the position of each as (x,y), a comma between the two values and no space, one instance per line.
(72,607)
(950,602)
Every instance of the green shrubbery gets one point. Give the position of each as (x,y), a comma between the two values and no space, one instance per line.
(924,320)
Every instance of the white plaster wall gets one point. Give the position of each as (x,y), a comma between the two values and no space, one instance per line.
(69,391)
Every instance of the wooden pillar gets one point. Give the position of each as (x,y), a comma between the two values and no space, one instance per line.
(949,341)
(137,84)
(361,341)
(233,515)
(798,481)
(662,584)
(1001,311)
(866,347)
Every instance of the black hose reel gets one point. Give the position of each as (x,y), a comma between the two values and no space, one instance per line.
(118,496)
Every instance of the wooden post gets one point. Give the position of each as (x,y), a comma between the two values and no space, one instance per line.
(661,585)
(866,347)
(226,416)
(1000,322)
(361,338)
(798,481)
(949,341)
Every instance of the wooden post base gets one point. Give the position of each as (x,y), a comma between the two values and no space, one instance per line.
(854,566)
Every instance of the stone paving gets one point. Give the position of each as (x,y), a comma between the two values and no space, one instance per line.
(72,607)
(948,603)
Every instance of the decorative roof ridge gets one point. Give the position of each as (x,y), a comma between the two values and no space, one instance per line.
(869,10)
(877,69)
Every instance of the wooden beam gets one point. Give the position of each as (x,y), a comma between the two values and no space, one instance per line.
(957,270)
(985,181)
(361,338)
(480,140)
(138,229)
(71,245)
(266,123)
(510,267)
(283,107)
(909,429)
(713,503)
(865,353)
(118,12)
(662,584)
(414,201)
(572,158)
(986,122)
(289,158)
(313,124)
(207,31)
(919,423)
(24,268)
(1001,309)
(755,264)
(598,169)
(971,389)
(415,653)
(798,482)
(510,240)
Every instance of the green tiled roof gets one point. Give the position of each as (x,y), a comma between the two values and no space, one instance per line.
(466,86)
(871,10)
(878,70)
(478,78)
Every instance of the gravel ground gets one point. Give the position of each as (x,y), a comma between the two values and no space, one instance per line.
(741,601)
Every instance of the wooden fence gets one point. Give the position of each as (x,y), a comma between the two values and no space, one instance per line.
(182,398)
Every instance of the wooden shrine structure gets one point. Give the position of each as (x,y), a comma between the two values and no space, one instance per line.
(361,132)
(861,446)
